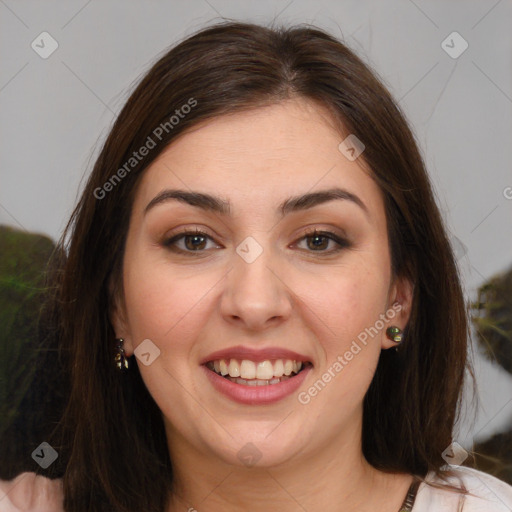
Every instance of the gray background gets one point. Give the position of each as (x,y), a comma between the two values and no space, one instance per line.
(57,111)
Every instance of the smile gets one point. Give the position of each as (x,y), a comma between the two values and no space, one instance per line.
(251,373)
(256,382)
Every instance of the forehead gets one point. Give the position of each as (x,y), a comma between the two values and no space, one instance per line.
(259,157)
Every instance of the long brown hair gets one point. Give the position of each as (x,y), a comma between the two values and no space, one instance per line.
(111,436)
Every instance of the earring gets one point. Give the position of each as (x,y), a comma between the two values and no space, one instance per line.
(395,334)
(120,358)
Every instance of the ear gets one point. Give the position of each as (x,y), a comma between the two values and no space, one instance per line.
(400,297)
(118,317)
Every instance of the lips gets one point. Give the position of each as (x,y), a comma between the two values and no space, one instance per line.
(253,376)
(254,393)
(257,355)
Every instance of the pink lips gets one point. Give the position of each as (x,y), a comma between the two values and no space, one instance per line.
(256,395)
(240,352)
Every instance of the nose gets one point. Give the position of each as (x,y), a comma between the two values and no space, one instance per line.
(256,295)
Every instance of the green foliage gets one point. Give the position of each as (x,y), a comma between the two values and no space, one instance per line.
(23,260)
(492,319)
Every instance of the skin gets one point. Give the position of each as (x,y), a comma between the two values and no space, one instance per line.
(294,296)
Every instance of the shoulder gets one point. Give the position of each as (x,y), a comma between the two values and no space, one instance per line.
(485,493)
(31,492)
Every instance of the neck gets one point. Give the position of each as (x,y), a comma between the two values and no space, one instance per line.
(335,478)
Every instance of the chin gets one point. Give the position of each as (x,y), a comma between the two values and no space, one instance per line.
(257,447)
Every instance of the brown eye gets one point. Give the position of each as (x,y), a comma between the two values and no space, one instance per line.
(318,241)
(193,241)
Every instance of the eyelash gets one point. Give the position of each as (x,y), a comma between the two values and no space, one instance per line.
(342,243)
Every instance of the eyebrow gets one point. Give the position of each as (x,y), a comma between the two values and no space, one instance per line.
(218,205)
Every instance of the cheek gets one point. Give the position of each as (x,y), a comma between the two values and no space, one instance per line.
(161,302)
(350,303)
(350,349)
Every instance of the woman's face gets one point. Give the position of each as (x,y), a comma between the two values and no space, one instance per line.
(257,285)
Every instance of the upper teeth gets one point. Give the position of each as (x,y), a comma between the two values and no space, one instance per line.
(263,370)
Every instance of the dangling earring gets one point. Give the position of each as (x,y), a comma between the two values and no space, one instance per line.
(395,334)
(121,360)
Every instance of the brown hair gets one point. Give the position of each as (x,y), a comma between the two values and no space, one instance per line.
(111,435)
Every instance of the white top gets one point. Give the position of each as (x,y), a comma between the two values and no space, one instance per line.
(490,494)
(31,493)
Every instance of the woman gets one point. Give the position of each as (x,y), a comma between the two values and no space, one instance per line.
(259,306)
